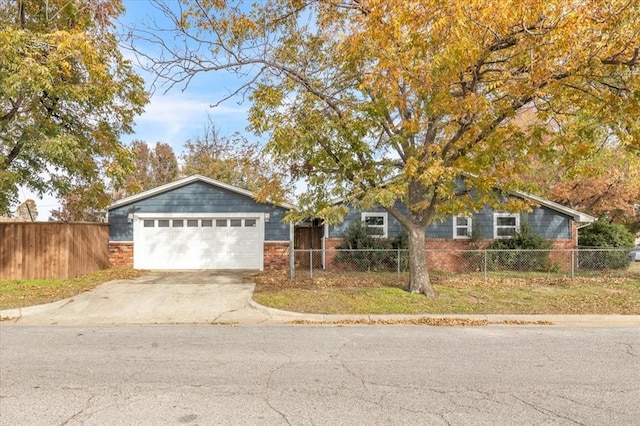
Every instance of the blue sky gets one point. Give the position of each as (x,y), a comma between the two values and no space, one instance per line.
(178,115)
(181,113)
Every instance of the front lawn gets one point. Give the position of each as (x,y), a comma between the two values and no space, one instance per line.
(383,293)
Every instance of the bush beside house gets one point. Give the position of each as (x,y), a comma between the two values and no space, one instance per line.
(604,235)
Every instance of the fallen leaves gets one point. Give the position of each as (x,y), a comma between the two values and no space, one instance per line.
(436,322)
(383,293)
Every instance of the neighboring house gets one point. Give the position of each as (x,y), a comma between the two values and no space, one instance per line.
(555,222)
(198,223)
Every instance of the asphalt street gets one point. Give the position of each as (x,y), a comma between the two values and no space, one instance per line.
(318,375)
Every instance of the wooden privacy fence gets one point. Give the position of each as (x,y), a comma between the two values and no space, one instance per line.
(50,250)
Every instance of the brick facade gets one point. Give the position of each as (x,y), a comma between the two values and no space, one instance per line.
(276,255)
(120,254)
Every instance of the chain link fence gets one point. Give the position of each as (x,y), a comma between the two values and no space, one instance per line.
(306,264)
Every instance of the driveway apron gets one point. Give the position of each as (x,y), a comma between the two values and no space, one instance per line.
(154,298)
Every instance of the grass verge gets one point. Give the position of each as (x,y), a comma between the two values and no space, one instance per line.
(21,293)
(375,293)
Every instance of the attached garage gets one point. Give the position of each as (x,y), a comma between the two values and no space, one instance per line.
(198,241)
(198,223)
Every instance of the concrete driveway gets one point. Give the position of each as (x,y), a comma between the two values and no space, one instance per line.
(157,297)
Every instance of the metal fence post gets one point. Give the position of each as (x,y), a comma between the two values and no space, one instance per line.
(310,263)
(484,265)
(292,268)
(573,263)
(398,262)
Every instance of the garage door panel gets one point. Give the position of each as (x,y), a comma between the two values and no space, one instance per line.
(202,243)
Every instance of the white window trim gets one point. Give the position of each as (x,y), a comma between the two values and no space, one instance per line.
(385,225)
(495,224)
(468,226)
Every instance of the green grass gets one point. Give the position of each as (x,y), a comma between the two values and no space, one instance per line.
(362,293)
(382,293)
(21,293)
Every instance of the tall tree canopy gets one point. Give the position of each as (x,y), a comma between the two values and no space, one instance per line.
(236,161)
(386,101)
(87,201)
(66,95)
(605,185)
(152,167)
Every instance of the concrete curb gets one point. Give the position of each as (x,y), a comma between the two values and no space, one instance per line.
(17,313)
(493,319)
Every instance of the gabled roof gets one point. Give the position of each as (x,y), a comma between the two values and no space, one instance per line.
(183,182)
(576,215)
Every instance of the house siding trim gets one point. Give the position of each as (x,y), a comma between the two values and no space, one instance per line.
(183,182)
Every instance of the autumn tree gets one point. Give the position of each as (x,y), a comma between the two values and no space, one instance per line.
(236,161)
(66,96)
(412,102)
(141,178)
(605,184)
(152,167)
(84,202)
(164,165)
(27,210)
(87,202)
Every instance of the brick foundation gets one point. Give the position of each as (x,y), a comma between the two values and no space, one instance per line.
(330,245)
(120,254)
(276,255)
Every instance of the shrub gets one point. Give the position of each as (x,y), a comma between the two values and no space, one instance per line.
(511,254)
(363,252)
(605,235)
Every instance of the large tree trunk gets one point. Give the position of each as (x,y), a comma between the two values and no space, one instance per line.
(419,281)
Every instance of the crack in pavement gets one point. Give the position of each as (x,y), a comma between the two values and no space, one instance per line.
(223,314)
(268,389)
(545,411)
(630,349)
(583,404)
(86,407)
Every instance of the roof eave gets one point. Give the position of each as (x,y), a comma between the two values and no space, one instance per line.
(576,215)
(185,181)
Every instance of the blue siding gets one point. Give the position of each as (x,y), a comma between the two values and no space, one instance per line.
(198,197)
(548,223)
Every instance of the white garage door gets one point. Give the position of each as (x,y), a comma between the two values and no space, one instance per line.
(198,242)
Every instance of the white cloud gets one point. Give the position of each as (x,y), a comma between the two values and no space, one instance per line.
(175,117)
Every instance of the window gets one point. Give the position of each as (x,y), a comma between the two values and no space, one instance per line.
(249,223)
(221,223)
(505,225)
(207,223)
(461,227)
(235,223)
(192,223)
(178,223)
(376,224)
(149,223)
(163,223)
